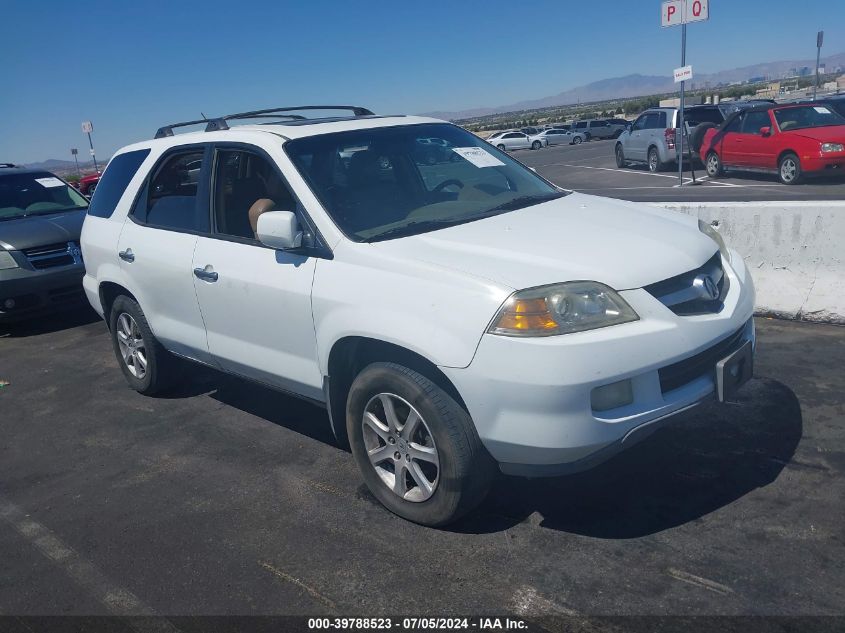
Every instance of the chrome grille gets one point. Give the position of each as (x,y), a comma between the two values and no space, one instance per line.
(699,291)
(53,255)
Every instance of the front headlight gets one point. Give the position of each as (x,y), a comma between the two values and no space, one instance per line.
(714,235)
(7,261)
(561,309)
(833,147)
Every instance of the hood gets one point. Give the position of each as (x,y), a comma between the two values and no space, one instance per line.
(577,237)
(41,230)
(827,134)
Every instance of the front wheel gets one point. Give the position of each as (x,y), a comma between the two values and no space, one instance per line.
(713,165)
(789,169)
(502,147)
(416,448)
(620,157)
(536,145)
(147,366)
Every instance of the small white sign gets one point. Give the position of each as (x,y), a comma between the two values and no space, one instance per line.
(478,156)
(821,110)
(683,74)
(87,127)
(50,182)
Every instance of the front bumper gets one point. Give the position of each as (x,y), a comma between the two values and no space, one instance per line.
(38,291)
(530,399)
(826,164)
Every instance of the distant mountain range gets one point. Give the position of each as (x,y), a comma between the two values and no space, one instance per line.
(67,166)
(642,85)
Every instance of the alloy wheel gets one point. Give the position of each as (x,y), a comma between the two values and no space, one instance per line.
(400,447)
(712,165)
(788,169)
(132,346)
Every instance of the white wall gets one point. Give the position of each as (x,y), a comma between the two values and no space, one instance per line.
(795,252)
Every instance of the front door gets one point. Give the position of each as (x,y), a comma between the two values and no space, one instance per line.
(256,301)
(758,151)
(156,249)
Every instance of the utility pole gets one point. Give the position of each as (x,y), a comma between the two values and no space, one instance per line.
(75,152)
(679,141)
(88,127)
(819,42)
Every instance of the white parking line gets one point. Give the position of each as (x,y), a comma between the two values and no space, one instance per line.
(624,171)
(116,599)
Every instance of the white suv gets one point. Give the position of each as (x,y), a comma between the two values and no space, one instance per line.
(452,317)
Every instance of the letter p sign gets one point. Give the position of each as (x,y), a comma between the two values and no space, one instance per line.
(672,13)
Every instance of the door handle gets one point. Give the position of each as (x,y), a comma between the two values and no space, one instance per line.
(205,275)
(127,255)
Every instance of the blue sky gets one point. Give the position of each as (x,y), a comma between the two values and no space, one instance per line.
(131,66)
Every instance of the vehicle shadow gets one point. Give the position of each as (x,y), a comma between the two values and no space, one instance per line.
(296,414)
(48,323)
(709,458)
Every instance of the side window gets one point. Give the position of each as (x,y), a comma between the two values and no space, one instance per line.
(170,200)
(661,121)
(246,185)
(110,189)
(639,124)
(652,121)
(753,121)
(735,124)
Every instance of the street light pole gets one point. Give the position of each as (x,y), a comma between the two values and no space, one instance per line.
(93,156)
(679,140)
(819,42)
(75,152)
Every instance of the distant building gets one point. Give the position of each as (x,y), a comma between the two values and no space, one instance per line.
(840,82)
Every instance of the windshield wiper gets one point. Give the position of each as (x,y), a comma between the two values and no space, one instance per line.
(412,228)
(520,202)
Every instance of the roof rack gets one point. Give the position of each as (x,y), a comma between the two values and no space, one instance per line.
(219,123)
(7,165)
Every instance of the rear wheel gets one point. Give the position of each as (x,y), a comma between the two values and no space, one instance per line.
(576,140)
(654,163)
(620,156)
(789,169)
(536,145)
(416,447)
(147,366)
(713,165)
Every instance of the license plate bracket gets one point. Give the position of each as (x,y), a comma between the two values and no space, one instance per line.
(733,371)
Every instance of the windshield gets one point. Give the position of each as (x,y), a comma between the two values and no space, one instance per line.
(388,182)
(807,116)
(40,193)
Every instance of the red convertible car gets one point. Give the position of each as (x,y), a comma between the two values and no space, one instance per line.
(789,140)
(88,183)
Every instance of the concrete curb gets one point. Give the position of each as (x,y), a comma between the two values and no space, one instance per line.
(794,251)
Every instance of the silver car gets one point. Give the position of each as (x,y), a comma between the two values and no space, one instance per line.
(513,139)
(555,136)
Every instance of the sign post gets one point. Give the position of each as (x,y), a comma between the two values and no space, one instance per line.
(88,127)
(680,13)
(75,151)
(819,42)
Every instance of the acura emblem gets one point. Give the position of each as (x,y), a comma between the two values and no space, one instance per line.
(706,287)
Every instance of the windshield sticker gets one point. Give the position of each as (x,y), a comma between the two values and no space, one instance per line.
(821,110)
(50,182)
(478,157)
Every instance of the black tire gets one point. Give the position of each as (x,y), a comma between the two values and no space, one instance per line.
(697,137)
(713,165)
(789,169)
(620,156)
(502,147)
(654,163)
(465,468)
(536,145)
(162,368)
(576,140)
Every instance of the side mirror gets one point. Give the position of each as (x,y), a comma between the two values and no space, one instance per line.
(765,131)
(279,230)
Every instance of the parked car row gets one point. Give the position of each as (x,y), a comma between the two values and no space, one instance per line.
(790,140)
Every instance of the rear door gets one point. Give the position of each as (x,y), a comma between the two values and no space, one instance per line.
(516,140)
(731,143)
(156,249)
(635,146)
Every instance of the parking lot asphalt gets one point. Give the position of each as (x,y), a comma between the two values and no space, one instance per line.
(591,168)
(227,498)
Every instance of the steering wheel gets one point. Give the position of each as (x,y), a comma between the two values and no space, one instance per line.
(448,183)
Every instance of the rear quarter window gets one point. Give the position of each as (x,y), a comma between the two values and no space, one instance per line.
(116,178)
